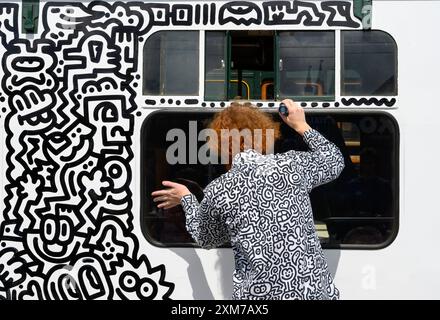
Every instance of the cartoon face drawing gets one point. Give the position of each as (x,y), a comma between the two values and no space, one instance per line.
(55,238)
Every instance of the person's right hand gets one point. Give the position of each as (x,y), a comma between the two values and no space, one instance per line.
(170,197)
(296,118)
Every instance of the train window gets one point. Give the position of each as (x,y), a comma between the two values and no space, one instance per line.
(167,227)
(171,63)
(369,63)
(215,65)
(239,64)
(251,64)
(358,210)
(306,64)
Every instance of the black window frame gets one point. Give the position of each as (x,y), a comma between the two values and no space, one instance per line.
(342,62)
(196,94)
(277,58)
(395,172)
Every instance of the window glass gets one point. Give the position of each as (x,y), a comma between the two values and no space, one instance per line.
(306,63)
(171,63)
(215,65)
(252,63)
(369,63)
(359,209)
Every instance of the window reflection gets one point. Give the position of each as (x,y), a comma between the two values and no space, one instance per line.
(215,65)
(171,63)
(359,208)
(369,63)
(307,63)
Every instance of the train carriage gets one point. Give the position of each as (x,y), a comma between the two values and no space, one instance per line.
(95,96)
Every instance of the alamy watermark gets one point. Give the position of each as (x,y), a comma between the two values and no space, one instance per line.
(185,150)
(368,280)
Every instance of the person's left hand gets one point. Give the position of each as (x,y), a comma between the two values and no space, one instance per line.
(170,197)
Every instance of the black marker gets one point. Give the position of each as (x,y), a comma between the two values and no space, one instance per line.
(283,109)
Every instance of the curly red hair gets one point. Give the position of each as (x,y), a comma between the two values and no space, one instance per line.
(244,116)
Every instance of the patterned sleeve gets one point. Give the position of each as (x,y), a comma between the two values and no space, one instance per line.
(203,220)
(322,164)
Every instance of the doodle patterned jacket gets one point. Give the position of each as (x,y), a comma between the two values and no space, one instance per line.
(262,206)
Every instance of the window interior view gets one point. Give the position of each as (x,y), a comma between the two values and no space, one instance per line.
(251,65)
(306,64)
(359,209)
(265,65)
(369,64)
(240,65)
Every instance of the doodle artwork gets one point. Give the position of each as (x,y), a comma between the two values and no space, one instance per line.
(67,110)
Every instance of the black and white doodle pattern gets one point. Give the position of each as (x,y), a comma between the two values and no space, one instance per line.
(67,227)
(67,103)
(389,102)
(262,207)
(245,13)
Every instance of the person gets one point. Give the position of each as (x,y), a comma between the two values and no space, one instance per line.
(262,206)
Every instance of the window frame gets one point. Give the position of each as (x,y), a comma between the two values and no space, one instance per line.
(278,75)
(200,58)
(226,53)
(342,61)
(395,171)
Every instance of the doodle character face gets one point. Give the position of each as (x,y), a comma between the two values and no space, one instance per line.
(139,281)
(69,145)
(240,12)
(56,240)
(83,280)
(30,82)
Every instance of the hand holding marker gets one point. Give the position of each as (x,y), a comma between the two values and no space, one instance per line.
(283,109)
(293,115)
